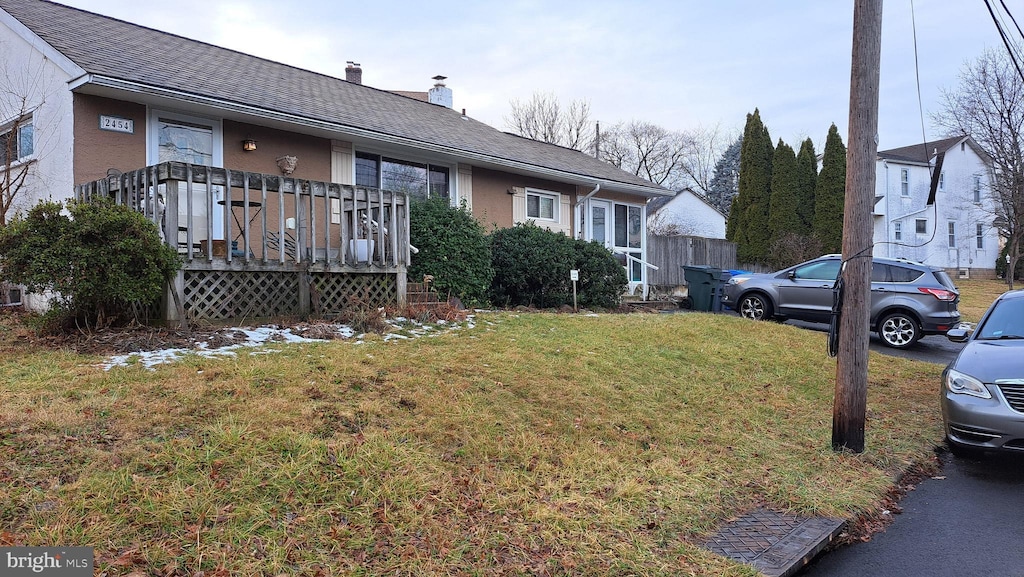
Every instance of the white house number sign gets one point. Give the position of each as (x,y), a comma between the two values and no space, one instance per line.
(115,124)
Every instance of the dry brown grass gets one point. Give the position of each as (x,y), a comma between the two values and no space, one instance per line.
(525,444)
(976,295)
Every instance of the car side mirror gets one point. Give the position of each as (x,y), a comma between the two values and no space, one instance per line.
(957,335)
(791,275)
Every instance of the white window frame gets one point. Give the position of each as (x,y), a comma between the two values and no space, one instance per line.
(951,234)
(904,182)
(153,134)
(897,230)
(921,229)
(25,121)
(977,189)
(942,181)
(979,233)
(556,204)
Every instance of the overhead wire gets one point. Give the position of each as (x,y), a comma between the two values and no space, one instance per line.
(1005,39)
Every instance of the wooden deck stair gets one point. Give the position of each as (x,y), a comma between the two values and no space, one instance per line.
(421,295)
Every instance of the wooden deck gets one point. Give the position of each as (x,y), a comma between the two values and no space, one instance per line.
(260,246)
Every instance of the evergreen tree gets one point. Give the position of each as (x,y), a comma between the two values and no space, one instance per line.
(752,201)
(731,222)
(725,183)
(830,194)
(783,209)
(806,179)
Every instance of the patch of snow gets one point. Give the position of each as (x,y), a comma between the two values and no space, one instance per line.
(256,337)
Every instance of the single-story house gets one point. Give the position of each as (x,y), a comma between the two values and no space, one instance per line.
(277,184)
(686,213)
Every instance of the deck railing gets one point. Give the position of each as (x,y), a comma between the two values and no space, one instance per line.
(219,218)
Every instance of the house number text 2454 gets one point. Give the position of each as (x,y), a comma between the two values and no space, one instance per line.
(117,124)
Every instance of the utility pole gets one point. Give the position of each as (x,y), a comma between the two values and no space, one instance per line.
(849,407)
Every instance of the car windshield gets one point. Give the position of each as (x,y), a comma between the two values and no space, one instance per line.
(1005,321)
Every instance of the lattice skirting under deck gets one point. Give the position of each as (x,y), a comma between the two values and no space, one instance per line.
(337,291)
(237,295)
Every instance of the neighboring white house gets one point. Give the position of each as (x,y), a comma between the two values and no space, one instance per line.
(686,213)
(956,232)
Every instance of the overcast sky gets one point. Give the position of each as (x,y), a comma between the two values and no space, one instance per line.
(676,63)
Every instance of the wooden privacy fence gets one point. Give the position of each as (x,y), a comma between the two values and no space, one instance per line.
(259,245)
(671,253)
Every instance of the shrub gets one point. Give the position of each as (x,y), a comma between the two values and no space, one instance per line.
(531,267)
(453,248)
(99,261)
(603,279)
(1001,265)
(792,248)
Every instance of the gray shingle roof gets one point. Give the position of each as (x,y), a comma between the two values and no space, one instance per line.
(921,153)
(112,48)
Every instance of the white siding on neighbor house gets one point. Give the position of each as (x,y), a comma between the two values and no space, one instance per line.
(954,203)
(30,74)
(37,78)
(690,216)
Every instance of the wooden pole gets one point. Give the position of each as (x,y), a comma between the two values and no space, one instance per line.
(850,404)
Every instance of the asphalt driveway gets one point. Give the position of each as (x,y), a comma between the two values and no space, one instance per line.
(963,521)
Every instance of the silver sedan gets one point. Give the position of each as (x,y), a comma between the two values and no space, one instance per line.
(983,388)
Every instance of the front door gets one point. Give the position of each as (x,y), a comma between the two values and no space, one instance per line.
(198,141)
(600,223)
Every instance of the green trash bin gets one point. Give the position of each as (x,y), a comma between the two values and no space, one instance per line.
(702,284)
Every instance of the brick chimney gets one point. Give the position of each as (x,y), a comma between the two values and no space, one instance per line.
(440,94)
(353,73)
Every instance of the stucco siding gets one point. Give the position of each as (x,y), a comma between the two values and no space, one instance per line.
(493,194)
(98,150)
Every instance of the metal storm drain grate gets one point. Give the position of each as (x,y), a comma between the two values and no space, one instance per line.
(776,544)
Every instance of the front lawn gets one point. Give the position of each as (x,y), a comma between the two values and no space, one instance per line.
(517,444)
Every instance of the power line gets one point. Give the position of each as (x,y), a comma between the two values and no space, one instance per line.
(1006,41)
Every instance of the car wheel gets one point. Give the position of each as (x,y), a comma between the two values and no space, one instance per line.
(899,331)
(755,306)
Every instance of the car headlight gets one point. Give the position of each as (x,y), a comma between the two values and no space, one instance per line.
(738,280)
(964,384)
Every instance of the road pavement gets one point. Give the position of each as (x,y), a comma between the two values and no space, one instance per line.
(963,522)
(931,349)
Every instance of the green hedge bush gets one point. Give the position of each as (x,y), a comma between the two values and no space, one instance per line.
(99,259)
(453,248)
(531,268)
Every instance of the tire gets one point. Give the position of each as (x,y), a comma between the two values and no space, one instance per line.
(899,331)
(755,306)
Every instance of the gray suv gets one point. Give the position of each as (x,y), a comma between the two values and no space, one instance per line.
(908,300)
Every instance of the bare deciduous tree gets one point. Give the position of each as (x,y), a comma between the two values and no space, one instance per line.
(675,160)
(543,118)
(704,146)
(988,105)
(648,151)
